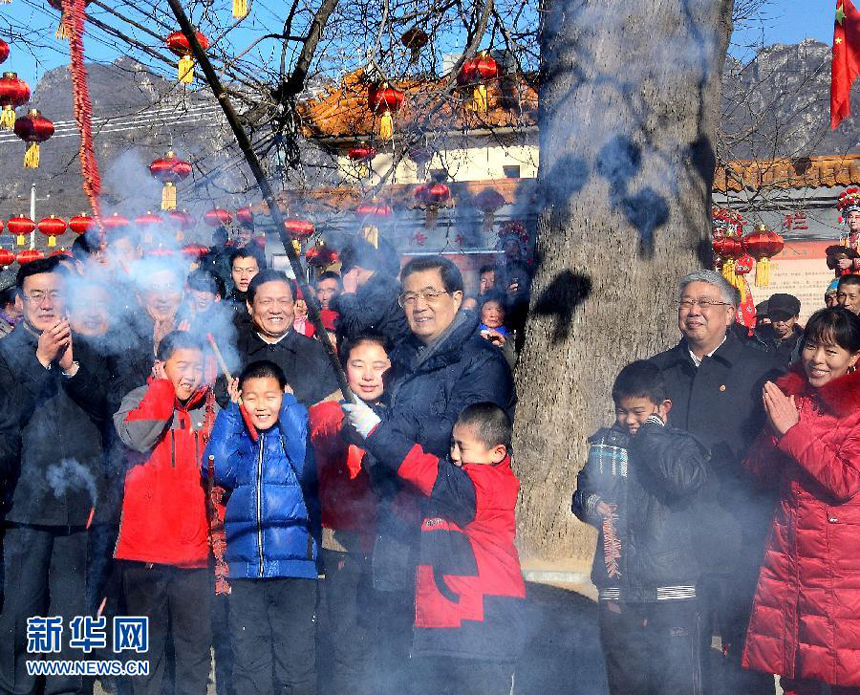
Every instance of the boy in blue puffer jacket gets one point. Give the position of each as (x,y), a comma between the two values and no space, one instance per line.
(262,458)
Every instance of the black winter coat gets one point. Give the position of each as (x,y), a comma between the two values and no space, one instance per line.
(720,404)
(373,307)
(58,468)
(784,351)
(652,480)
(304,361)
(132,354)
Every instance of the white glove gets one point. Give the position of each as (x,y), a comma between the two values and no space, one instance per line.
(361,417)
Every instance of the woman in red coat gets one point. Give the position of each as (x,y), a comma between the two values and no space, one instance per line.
(805,622)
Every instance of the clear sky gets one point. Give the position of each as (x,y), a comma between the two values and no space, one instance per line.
(777,21)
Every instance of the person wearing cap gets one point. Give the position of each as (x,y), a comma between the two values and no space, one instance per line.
(782,337)
(761,317)
(830,298)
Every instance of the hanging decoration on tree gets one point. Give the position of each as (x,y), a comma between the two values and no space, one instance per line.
(240,9)
(169,170)
(245,217)
(372,213)
(320,256)
(476,73)
(431,197)
(20,226)
(384,101)
(217,217)
(33,129)
(52,227)
(299,230)
(4,51)
(63,33)
(361,156)
(726,232)
(75,14)
(14,92)
(488,201)
(177,43)
(414,39)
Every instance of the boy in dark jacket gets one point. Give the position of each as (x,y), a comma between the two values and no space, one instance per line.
(164,534)
(262,458)
(638,489)
(470,594)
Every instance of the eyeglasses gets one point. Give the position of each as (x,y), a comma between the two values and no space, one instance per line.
(411,298)
(38,297)
(704,303)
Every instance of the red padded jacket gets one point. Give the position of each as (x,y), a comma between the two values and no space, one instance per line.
(806,613)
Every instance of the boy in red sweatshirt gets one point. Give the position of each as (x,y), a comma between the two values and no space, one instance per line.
(164,535)
(470,592)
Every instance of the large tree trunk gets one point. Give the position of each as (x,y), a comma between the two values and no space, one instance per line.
(628,105)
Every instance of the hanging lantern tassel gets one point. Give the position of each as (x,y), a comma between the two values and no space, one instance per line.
(430,217)
(7,118)
(62,32)
(168,196)
(480,98)
(31,156)
(371,235)
(240,8)
(386,126)
(52,241)
(729,272)
(297,245)
(186,69)
(762,273)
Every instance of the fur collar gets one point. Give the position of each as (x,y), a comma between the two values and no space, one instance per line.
(840,396)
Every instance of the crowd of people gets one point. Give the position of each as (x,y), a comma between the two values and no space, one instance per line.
(175,444)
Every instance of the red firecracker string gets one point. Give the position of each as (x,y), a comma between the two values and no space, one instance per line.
(611,545)
(75,13)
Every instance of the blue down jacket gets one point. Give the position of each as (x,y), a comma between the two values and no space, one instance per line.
(272,521)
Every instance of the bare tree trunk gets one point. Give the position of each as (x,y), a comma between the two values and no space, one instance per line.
(629,98)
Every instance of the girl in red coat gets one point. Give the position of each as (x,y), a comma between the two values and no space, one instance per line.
(805,622)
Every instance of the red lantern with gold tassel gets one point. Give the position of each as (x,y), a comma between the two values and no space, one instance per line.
(33,129)
(7,258)
(81,224)
(385,101)
(29,255)
(20,226)
(169,170)
(414,39)
(179,45)
(477,72)
(52,227)
(298,230)
(361,155)
(14,92)
(372,213)
(763,243)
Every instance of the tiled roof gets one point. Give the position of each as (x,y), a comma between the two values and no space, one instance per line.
(784,172)
(344,112)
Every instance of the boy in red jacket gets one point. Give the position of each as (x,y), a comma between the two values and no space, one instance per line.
(470,592)
(164,535)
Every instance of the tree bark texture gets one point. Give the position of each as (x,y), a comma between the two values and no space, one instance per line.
(628,107)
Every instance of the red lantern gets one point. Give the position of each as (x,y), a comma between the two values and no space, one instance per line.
(763,244)
(217,217)
(414,39)
(361,156)
(320,256)
(744,264)
(170,170)
(245,217)
(62,253)
(182,221)
(33,129)
(20,226)
(177,43)
(29,255)
(7,258)
(81,224)
(160,252)
(194,251)
(299,229)
(147,223)
(52,227)
(373,209)
(478,71)
(383,101)
(488,201)
(115,221)
(13,93)
(437,194)
(4,51)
